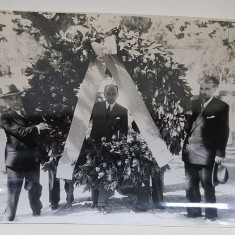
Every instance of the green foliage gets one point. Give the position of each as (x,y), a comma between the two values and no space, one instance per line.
(2,38)
(25,27)
(115,165)
(215,39)
(137,24)
(55,80)
(2,26)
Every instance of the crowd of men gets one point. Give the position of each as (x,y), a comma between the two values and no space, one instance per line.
(207,134)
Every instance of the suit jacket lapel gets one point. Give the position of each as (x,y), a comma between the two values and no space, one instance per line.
(18,118)
(103,106)
(114,110)
(208,110)
(105,119)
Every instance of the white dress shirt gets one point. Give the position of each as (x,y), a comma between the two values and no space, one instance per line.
(111,106)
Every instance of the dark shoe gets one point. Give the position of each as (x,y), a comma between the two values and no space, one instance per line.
(69,204)
(54,206)
(36,213)
(194,216)
(138,210)
(8,218)
(70,199)
(160,206)
(93,206)
(212,218)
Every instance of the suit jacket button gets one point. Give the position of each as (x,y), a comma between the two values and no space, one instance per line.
(201,145)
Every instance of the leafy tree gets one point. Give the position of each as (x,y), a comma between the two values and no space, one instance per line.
(16,49)
(216,40)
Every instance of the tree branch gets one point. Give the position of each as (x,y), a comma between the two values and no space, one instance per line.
(49,28)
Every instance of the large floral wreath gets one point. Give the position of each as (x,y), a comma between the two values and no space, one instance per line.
(57,75)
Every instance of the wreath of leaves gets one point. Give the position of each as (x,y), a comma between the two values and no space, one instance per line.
(56,77)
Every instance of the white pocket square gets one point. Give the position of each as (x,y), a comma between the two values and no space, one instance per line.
(117,118)
(210,117)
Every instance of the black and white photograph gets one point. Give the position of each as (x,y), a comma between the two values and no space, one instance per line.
(117,119)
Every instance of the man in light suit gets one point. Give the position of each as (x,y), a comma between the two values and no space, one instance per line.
(109,119)
(207,134)
(22,155)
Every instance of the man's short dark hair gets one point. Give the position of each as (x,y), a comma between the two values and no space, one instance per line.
(211,79)
(110,85)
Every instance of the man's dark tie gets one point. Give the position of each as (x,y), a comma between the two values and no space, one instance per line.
(107,112)
(202,106)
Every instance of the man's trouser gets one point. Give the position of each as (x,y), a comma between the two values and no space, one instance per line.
(15,179)
(54,189)
(100,196)
(143,193)
(194,175)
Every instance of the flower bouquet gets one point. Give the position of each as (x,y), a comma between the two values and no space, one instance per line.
(119,165)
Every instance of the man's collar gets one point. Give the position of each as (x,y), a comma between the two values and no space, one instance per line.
(207,102)
(18,111)
(111,105)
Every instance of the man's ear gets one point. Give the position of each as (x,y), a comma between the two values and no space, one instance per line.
(215,88)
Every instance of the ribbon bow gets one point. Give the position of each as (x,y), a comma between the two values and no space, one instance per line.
(108,48)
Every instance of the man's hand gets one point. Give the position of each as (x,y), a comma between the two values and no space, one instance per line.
(42,126)
(49,166)
(4,172)
(219,160)
(165,167)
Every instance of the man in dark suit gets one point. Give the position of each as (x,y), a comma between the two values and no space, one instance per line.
(21,153)
(143,191)
(207,134)
(109,119)
(54,186)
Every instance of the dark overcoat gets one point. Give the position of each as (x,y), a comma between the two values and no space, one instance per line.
(21,149)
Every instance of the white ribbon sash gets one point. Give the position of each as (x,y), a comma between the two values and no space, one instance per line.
(138,110)
(81,118)
(87,97)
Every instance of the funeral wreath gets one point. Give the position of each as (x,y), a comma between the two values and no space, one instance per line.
(55,79)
